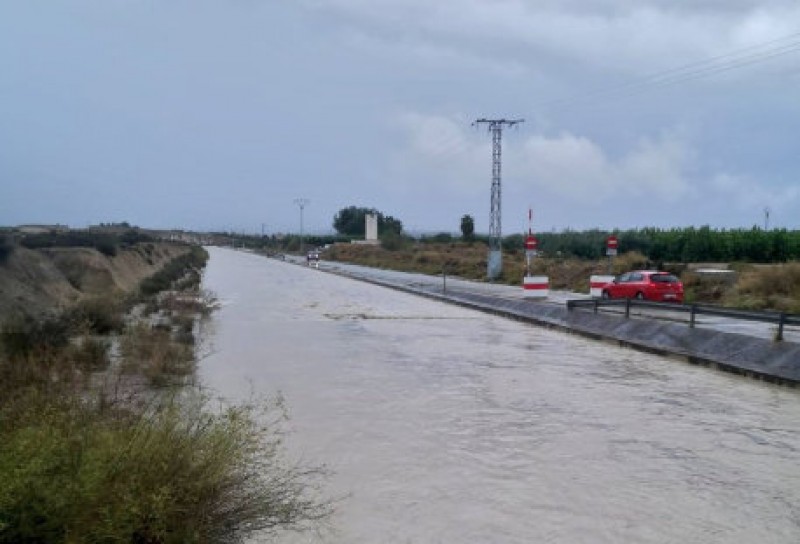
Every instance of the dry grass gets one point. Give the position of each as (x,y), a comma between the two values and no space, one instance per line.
(89,353)
(775,287)
(93,457)
(155,354)
(468,260)
(196,302)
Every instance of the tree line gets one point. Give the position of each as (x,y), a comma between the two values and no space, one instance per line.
(685,245)
(688,244)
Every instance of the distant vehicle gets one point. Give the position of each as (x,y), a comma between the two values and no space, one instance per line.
(312,258)
(645,285)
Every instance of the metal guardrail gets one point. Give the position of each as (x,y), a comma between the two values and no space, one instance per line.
(779,318)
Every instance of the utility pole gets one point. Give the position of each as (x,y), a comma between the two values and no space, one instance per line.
(495,261)
(766,218)
(302,203)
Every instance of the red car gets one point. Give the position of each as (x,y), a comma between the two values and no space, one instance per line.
(645,285)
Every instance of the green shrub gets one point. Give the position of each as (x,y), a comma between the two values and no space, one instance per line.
(102,315)
(89,353)
(6,248)
(107,248)
(132,237)
(392,241)
(775,287)
(22,336)
(155,354)
(103,242)
(173,473)
(174,270)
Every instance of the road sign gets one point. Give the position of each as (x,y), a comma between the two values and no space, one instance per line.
(611,245)
(531,243)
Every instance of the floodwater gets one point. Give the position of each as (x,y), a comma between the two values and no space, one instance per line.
(442,424)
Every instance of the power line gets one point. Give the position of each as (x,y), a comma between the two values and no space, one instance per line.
(746,56)
(695,70)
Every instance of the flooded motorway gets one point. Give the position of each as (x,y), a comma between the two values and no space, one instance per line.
(442,424)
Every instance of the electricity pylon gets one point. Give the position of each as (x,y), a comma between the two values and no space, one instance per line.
(301,203)
(495,261)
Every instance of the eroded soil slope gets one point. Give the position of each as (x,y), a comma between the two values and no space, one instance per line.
(41,281)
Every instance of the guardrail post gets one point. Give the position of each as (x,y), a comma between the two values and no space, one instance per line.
(692,315)
(627,308)
(596,304)
(781,321)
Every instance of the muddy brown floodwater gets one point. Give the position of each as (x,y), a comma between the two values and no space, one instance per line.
(446,425)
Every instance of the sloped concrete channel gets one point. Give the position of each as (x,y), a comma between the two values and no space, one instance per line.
(759,358)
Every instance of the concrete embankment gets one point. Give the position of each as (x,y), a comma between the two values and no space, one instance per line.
(760,358)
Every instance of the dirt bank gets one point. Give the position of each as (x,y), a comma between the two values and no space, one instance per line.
(40,281)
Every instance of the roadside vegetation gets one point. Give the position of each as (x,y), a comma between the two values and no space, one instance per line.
(763,262)
(749,286)
(107,243)
(774,287)
(103,437)
(6,247)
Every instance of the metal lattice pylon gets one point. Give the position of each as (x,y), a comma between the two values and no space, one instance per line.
(495,263)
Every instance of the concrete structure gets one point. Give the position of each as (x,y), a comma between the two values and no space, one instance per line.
(371,227)
(759,358)
(536,286)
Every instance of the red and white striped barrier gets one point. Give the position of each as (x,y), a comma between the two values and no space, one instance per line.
(536,286)
(596,284)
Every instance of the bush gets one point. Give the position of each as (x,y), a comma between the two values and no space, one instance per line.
(392,241)
(89,353)
(776,287)
(23,336)
(107,248)
(6,248)
(178,268)
(439,238)
(152,352)
(102,315)
(132,237)
(103,242)
(173,473)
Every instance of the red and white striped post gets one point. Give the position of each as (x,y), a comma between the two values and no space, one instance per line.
(536,286)
(533,286)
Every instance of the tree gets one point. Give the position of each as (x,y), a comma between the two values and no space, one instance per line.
(467,227)
(389,225)
(350,221)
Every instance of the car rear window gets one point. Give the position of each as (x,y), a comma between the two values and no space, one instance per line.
(664,278)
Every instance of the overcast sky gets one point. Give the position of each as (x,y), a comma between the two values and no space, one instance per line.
(217,114)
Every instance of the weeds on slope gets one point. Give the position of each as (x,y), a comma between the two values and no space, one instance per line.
(82,462)
(173,472)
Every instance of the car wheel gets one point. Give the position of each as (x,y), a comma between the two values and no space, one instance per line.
(605,295)
(639,296)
